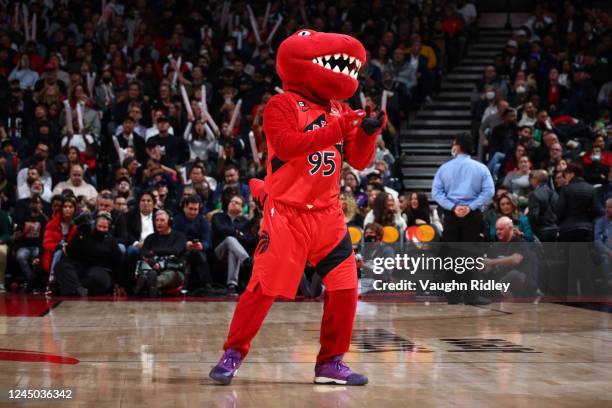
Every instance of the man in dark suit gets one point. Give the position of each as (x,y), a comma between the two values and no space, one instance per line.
(541,204)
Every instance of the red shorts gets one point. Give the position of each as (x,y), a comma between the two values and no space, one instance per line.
(289,237)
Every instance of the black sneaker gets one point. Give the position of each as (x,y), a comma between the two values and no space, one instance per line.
(231,291)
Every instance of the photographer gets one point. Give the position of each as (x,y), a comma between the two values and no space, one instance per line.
(161,252)
(90,266)
(197,230)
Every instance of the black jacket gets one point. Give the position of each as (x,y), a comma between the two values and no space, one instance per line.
(576,206)
(165,245)
(90,249)
(541,204)
(133,225)
(240,228)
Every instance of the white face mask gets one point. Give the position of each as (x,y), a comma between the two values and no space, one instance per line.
(520,89)
(490,95)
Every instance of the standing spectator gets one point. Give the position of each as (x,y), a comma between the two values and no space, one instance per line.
(576,207)
(462,187)
(541,204)
(233,238)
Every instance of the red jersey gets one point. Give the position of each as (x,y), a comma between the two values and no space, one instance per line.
(305,151)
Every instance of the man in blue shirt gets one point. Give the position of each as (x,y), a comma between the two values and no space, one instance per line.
(463,187)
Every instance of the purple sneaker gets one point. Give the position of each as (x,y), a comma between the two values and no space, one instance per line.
(227,367)
(336,372)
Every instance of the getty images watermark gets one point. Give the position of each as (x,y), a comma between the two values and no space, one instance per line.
(423,263)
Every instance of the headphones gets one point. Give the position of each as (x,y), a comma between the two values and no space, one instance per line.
(167,212)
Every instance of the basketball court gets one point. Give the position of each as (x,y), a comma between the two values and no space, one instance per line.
(158,353)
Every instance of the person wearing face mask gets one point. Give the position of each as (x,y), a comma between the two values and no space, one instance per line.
(90,266)
(374,248)
(595,171)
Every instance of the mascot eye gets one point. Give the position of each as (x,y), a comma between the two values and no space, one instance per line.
(303,33)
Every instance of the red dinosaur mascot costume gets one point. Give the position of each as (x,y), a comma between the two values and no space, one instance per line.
(308,132)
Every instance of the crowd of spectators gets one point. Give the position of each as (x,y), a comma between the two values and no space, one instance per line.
(126,109)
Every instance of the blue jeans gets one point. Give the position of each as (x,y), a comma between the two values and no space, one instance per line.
(495,163)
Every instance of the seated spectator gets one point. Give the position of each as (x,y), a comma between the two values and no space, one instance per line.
(418,212)
(349,207)
(603,240)
(36,189)
(27,239)
(603,193)
(351,184)
(39,163)
(513,263)
(90,265)
(231,178)
(162,252)
(120,204)
(78,186)
(517,181)
(508,207)
(374,248)
(528,117)
(62,169)
(541,206)
(197,231)
(139,224)
(5,235)
(595,168)
(58,232)
(233,239)
(385,212)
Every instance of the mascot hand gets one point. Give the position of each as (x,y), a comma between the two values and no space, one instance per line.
(351,119)
(372,124)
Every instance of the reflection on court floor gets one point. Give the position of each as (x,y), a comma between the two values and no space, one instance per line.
(159,353)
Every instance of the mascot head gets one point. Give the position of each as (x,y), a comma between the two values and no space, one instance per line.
(320,66)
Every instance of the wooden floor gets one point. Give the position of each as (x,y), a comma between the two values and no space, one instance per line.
(134,353)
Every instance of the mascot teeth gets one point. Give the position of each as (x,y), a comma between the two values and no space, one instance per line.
(336,56)
(351,60)
(345,71)
(328,66)
(345,56)
(336,69)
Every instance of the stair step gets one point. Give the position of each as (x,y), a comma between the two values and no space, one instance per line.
(429,143)
(453,86)
(461,96)
(484,54)
(416,184)
(463,78)
(489,45)
(428,113)
(476,61)
(447,105)
(468,69)
(422,133)
(419,172)
(439,123)
(422,160)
